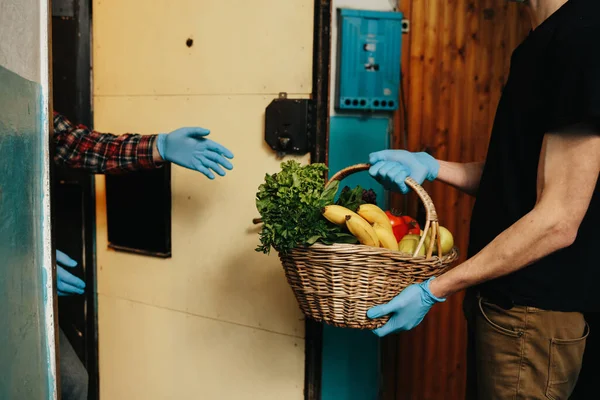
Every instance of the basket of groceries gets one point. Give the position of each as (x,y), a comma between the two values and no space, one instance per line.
(341,253)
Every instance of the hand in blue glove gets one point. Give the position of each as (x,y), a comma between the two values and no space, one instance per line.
(408,309)
(189,148)
(421,166)
(67,283)
(391,175)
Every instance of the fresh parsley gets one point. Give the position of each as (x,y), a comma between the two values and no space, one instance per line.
(290,204)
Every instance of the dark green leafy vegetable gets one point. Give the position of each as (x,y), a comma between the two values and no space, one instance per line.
(290,204)
(350,198)
(353,198)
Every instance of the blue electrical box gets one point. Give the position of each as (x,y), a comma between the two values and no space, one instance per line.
(369,52)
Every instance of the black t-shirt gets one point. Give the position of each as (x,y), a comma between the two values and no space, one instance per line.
(554,83)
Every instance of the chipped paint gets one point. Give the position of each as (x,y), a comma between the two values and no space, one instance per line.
(47,264)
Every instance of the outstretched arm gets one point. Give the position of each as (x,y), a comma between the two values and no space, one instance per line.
(105,153)
(101,153)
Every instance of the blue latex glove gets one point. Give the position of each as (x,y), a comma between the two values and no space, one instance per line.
(408,309)
(189,148)
(421,165)
(391,175)
(67,284)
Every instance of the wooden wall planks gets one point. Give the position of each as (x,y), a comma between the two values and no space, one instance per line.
(455,62)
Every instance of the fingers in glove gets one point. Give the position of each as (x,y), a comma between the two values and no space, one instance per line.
(69,284)
(212,165)
(65,260)
(398,172)
(69,278)
(198,166)
(378,156)
(386,168)
(384,330)
(218,158)
(63,287)
(398,176)
(216,147)
(380,311)
(374,170)
(195,132)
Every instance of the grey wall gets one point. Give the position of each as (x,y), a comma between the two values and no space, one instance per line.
(20,37)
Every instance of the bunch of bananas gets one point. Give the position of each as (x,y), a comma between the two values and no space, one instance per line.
(369,224)
(372,227)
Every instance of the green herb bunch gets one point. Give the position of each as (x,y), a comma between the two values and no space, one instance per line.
(290,203)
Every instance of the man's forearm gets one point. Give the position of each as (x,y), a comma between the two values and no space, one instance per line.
(567,176)
(536,235)
(463,176)
(100,153)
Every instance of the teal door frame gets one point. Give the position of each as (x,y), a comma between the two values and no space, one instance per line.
(351,365)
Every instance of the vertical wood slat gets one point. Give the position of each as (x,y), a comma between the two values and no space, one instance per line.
(389,346)
(457,376)
(429,103)
(455,62)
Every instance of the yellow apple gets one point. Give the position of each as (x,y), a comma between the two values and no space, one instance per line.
(446,238)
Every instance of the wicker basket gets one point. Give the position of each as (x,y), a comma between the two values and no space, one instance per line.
(338,283)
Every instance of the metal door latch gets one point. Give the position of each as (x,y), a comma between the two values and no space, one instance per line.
(289,125)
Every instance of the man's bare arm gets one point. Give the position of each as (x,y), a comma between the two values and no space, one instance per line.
(463,176)
(567,175)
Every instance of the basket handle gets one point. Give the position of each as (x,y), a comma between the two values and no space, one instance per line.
(431,215)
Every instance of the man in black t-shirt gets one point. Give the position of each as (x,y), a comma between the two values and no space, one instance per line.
(533,268)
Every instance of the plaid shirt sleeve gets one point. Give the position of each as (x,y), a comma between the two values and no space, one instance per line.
(101,153)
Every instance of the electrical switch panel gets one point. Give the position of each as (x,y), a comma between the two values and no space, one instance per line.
(369,53)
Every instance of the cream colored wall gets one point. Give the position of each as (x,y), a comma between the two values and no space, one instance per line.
(217,320)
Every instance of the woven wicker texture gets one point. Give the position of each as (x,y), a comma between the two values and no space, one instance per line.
(337,284)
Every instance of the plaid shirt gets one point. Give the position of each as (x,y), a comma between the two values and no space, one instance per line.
(100,153)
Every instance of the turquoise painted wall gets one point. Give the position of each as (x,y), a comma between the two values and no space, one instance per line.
(24,353)
(351,356)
